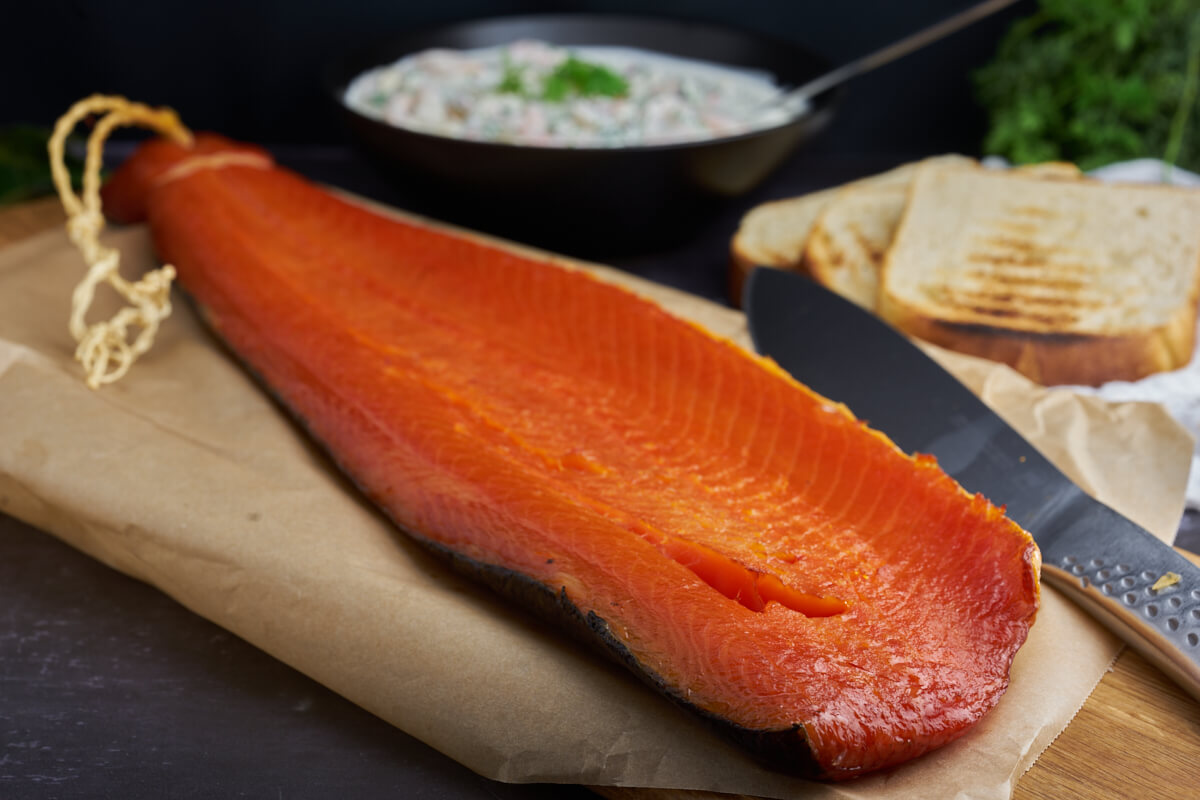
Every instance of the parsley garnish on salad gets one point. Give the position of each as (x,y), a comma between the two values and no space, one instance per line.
(572,78)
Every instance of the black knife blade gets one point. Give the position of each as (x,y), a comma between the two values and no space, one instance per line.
(1137,586)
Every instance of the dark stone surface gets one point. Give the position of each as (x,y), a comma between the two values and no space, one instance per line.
(108,688)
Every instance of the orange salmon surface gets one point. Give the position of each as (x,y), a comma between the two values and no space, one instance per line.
(744,544)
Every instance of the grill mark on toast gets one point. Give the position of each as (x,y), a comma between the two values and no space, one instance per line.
(1006,312)
(1017,227)
(1017,277)
(1021,261)
(1035,211)
(1063,283)
(1009,298)
(874,253)
(1002,304)
(1009,245)
(1012,244)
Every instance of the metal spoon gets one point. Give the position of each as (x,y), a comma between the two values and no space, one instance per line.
(797,100)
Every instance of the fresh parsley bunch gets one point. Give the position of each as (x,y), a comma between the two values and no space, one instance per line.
(1097,81)
(25,163)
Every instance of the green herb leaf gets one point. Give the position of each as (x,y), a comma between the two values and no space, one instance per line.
(25,164)
(556,88)
(572,78)
(575,77)
(510,81)
(1123,35)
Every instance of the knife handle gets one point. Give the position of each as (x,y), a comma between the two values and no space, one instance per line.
(1163,624)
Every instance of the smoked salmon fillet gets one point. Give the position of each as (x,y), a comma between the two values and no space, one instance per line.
(742,543)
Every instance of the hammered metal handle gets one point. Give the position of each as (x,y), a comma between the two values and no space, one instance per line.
(1156,610)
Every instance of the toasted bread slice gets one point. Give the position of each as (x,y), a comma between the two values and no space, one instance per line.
(847,243)
(773,235)
(1051,170)
(1068,281)
(776,233)
(846,246)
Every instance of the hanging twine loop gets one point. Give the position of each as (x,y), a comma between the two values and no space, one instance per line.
(105,348)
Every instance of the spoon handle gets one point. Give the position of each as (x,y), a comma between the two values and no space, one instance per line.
(895,50)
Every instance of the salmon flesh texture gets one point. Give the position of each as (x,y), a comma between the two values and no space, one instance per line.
(742,543)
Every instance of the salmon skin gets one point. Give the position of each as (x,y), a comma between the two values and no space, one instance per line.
(742,543)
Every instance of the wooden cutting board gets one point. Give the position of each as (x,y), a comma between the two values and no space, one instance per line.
(1137,736)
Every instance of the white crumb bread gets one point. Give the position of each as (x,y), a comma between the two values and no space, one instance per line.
(855,229)
(773,235)
(1068,281)
(850,238)
(776,233)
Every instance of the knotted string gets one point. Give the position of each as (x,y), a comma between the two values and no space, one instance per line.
(104,348)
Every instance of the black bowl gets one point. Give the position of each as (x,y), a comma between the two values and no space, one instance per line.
(588,201)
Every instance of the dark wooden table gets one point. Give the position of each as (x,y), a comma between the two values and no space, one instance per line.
(110,689)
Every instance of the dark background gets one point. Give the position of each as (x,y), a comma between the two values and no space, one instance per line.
(252,69)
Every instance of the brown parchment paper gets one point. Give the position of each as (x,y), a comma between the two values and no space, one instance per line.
(186,476)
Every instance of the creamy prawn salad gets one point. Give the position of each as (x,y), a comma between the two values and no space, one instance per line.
(534,93)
